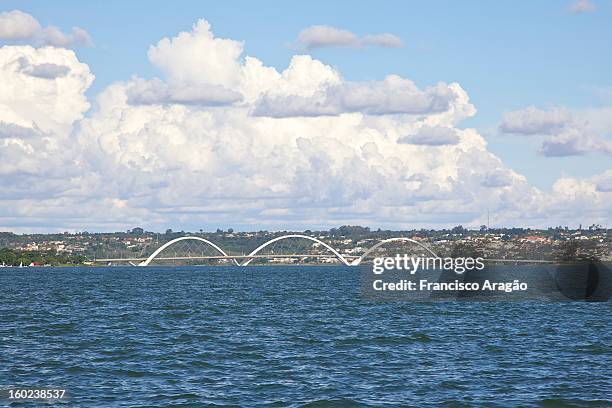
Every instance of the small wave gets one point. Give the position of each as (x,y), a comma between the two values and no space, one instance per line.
(341,402)
(422,337)
(594,349)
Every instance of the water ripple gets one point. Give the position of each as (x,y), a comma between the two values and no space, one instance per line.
(298,336)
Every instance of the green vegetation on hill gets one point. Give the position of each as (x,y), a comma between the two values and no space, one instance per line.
(12,257)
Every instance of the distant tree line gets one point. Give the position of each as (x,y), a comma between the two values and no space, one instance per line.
(15,258)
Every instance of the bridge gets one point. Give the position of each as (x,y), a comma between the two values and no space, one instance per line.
(244,260)
(329,253)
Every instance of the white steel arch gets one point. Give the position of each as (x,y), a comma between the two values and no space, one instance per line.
(384,241)
(267,243)
(262,246)
(174,241)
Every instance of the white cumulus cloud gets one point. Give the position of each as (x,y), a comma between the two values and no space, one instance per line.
(17,25)
(42,87)
(210,144)
(197,57)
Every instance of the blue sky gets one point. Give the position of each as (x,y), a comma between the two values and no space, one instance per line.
(507,55)
(538,74)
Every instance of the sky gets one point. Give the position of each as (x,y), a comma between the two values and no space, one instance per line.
(299,116)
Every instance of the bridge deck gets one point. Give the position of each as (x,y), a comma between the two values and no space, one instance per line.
(229,257)
(179,258)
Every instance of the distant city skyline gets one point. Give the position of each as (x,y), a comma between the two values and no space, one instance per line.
(394,115)
(347,245)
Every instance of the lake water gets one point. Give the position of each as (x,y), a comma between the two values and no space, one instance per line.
(289,336)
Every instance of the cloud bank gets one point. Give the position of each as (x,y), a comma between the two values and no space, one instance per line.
(432,136)
(17,26)
(569,133)
(224,140)
(322,36)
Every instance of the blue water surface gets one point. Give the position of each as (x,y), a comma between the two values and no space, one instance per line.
(289,336)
